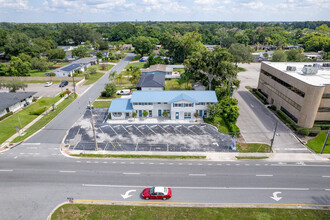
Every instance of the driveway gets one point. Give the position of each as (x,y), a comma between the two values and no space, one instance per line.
(256,122)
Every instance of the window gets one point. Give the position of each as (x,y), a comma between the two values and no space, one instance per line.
(289,115)
(288,86)
(127,114)
(116,114)
(150,113)
(324,109)
(159,103)
(187,115)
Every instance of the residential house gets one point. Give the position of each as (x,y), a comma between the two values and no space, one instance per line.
(12,101)
(313,55)
(151,82)
(81,65)
(211,47)
(104,53)
(166,70)
(180,105)
(67,48)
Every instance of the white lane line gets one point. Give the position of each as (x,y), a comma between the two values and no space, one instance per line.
(170,164)
(105,162)
(238,164)
(219,164)
(327,189)
(326,176)
(141,163)
(78,161)
(161,163)
(88,162)
(264,175)
(31,148)
(257,164)
(197,174)
(209,164)
(15,157)
(67,171)
(6,170)
(30,144)
(206,188)
(114,162)
(199,164)
(180,163)
(132,162)
(131,173)
(151,163)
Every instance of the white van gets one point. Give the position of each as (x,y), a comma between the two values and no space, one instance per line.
(124,92)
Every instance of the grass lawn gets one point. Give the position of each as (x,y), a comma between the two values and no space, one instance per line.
(139,64)
(44,120)
(250,158)
(219,123)
(316,143)
(39,73)
(138,156)
(84,211)
(253,147)
(173,84)
(240,69)
(93,78)
(7,126)
(102,104)
(108,66)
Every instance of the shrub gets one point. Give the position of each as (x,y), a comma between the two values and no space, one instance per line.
(34,99)
(314,131)
(109,116)
(109,90)
(273,107)
(62,94)
(87,75)
(6,115)
(165,114)
(145,113)
(134,114)
(303,131)
(38,111)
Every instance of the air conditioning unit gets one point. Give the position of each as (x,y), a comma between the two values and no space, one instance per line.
(291,68)
(309,70)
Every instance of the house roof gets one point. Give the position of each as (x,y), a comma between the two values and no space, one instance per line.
(71,67)
(158,67)
(11,98)
(151,80)
(85,60)
(121,105)
(174,96)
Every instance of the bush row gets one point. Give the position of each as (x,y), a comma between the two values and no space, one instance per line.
(6,115)
(38,111)
(259,96)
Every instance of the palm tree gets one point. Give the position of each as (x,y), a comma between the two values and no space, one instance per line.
(119,77)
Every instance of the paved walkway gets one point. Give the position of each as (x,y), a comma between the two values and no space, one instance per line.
(159,120)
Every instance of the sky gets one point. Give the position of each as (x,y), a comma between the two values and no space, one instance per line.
(52,11)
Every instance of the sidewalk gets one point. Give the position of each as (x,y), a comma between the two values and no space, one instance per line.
(160,120)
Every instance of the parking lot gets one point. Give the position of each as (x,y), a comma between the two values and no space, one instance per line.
(146,137)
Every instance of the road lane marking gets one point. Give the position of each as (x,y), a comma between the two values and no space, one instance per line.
(326,176)
(6,170)
(15,157)
(196,203)
(67,171)
(197,174)
(31,148)
(131,173)
(264,175)
(327,189)
(30,144)
(202,188)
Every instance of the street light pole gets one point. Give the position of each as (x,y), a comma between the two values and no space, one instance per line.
(272,140)
(90,108)
(325,142)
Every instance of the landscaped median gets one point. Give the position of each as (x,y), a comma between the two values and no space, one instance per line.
(93,211)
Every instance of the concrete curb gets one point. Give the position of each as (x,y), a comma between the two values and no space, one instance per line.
(52,212)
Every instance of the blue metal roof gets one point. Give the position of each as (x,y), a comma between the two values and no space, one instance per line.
(121,105)
(174,96)
(71,67)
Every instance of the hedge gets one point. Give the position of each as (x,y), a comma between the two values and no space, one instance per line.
(6,115)
(38,111)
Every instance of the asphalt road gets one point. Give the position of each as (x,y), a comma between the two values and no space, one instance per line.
(256,122)
(35,177)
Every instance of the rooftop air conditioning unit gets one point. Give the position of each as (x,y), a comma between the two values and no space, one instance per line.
(291,68)
(309,70)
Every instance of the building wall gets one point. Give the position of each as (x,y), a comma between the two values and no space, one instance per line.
(151,88)
(303,108)
(3,112)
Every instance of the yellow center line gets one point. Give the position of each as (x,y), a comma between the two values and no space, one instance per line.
(197,203)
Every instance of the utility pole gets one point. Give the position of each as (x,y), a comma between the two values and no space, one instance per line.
(21,131)
(90,108)
(272,140)
(325,142)
(74,85)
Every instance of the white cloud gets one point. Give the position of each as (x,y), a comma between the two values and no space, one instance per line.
(161,6)
(253,5)
(16,4)
(205,2)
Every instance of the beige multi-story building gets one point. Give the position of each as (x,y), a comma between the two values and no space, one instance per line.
(299,90)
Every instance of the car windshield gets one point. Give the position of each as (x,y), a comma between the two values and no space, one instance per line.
(151,190)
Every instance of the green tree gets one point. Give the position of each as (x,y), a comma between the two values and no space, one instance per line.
(13,85)
(103,45)
(109,90)
(294,55)
(279,56)
(39,64)
(119,78)
(19,43)
(144,45)
(99,56)
(315,41)
(215,64)
(24,57)
(165,114)
(4,69)
(80,52)
(57,53)
(51,74)
(88,45)
(18,67)
(241,53)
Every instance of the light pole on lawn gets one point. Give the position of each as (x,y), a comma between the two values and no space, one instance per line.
(325,142)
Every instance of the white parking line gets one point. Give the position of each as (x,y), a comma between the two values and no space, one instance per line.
(264,175)
(113,130)
(139,130)
(326,176)
(124,128)
(131,173)
(6,170)
(197,174)
(151,129)
(67,171)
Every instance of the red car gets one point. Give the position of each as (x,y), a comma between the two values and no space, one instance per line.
(157,192)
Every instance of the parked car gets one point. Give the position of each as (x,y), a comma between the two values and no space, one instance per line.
(64,83)
(47,84)
(157,192)
(124,92)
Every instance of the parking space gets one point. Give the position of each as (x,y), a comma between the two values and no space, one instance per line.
(146,137)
